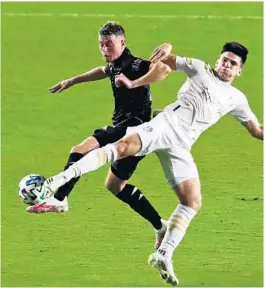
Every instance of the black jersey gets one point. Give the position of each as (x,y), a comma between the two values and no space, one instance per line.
(129,103)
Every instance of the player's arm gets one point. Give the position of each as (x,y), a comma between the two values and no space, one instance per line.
(190,66)
(247,118)
(157,72)
(95,74)
(254,128)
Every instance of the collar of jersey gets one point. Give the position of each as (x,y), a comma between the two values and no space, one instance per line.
(123,56)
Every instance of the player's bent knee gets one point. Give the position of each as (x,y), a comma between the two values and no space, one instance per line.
(192,202)
(121,148)
(109,187)
(195,204)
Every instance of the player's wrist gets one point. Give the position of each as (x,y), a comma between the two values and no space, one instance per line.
(74,80)
(134,84)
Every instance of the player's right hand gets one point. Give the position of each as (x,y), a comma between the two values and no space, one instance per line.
(59,87)
(122,80)
(161,52)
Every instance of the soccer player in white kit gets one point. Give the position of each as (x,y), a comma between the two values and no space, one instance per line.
(203,99)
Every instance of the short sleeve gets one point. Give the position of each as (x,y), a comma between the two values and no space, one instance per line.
(190,66)
(243,112)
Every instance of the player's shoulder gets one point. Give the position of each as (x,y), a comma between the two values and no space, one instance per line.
(195,64)
(190,61)
(241,96)
(139,63)
(139,60)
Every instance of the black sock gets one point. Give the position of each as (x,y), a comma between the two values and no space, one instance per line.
(137,201)
(66,189)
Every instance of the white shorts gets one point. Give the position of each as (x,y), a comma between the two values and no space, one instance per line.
(158,136)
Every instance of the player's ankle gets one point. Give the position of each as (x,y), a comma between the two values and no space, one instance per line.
(59,197)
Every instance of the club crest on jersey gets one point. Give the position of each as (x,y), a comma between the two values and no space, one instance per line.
(148,129)
(136,65)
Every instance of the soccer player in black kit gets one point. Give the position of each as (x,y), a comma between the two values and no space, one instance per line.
(132,107)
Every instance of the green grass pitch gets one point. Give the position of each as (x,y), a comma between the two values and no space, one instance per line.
(100,241)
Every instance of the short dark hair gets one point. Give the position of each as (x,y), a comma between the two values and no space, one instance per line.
(236,48)
(111,28)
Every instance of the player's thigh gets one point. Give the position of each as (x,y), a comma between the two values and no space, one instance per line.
(154,135)
(178,165)
(182,175)
(113,183)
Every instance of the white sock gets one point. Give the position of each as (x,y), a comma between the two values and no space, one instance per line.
(177,225)
(91,161)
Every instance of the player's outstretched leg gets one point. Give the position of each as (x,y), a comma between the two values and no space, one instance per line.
(93,161)
(52,204)
(90,162)
(59,202)
(66,189)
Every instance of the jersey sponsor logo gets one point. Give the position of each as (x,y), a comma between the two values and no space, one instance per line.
(136,65)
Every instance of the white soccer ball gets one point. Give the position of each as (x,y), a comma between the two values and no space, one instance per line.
(30,189)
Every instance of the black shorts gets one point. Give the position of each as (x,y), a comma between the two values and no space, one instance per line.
(123,168)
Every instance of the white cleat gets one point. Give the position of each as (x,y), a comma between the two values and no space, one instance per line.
(49,205)
(164,267)
(160,234)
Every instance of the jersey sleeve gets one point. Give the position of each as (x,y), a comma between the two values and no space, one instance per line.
(190,66)
(242,112)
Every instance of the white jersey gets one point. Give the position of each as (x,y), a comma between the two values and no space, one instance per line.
(202,101)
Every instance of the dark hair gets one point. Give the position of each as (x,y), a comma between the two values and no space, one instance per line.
(111,28)
(236,48)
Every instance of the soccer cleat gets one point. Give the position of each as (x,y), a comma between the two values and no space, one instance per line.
(53,183)
(49,205)
(160,234)
(164,267)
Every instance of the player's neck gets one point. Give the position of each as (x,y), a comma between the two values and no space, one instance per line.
(124,53)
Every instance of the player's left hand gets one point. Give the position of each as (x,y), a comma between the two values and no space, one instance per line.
(121,80)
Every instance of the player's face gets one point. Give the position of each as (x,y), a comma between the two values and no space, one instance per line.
(228,66)
(111,47)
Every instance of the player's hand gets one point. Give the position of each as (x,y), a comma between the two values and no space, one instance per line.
(59,87)
(161,52)
(121,80)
